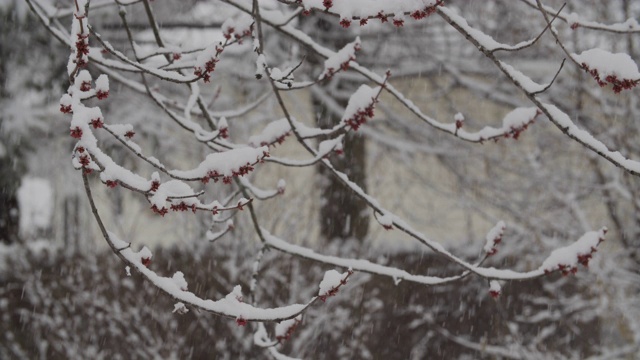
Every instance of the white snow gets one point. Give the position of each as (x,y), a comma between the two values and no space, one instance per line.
(493,236)
(562,120)
(180,308)
(522,79)
(386,221)
(231,305)
(178,279)
(519,117)
(327,146)
(483,39)
(494,286)
(225,163)
(80,8)
(66,100)
(102,83)
(274,131)
(568,256)
(281,186)
(369,8)
(172,188)
(120,129)
(261,64)
(223,125)
(341,59)
(606,63)
(359,102)
(144,253)
(238,27)
(355,264)
(83,77)
(284,328)
(331,281)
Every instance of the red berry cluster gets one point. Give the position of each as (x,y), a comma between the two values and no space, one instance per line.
(345,23)
(85,86)
(583,259)
(515,132)
(416,15)
(290,330)
(84,160)
(382,17)
(65,109)
(279,140)
(76,133)
(145,261)
(184,207)
(361,116)
(155,185)
(82,48)
(160,211)
(618,84)
(428,11)
(97,123)
(242,170)
(494,246)
(100,94)
(209,67)
(335,289)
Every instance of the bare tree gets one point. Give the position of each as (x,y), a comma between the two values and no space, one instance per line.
(168,73)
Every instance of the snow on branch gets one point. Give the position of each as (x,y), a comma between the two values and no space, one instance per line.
(619,70)
(232,305)
(341,59)
(355,264)
(566,259)
(230,162)
(494,238)
(272,19)
(576,21)
(563,259)
(623,64)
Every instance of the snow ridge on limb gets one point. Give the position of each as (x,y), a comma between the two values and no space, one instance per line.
(569,256)
(230,306)
(492,273)
(619,70)
(557,117)
(575,21)
(355,264)
(88,157)
(359,109)
(487,133)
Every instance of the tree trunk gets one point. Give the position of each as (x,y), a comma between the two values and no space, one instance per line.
(342,215)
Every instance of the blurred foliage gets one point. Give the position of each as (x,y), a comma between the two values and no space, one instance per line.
(61,304)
